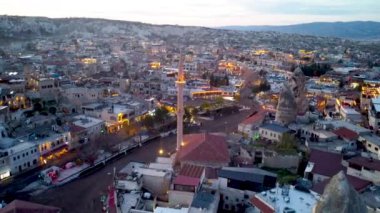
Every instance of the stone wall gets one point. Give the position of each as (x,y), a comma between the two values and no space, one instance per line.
(289,162)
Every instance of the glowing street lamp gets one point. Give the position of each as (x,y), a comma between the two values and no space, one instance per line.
(161,151)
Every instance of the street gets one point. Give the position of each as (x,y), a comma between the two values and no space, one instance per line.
(83,195)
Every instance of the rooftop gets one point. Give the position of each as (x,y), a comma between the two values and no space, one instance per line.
(339,123)
(86,121)
(170,210)
(346,133)
(372,197)
(368,163)
(186,181)
(281,199)
(371,139)
(245,174)
(25,206)
(192,171)
(325,163)
(204,148)
(358,184)
(275,128)
(204,199)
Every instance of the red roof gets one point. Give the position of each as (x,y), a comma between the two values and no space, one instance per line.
(261,205)
(204,148)
(191,171)
(326,163)
(20,206)
(366,162)
(346,133)
(211,173)
(358,184)
(75,128)
(186,181)
(256,118)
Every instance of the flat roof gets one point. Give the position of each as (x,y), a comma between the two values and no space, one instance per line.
(372,197)
(348,125)
(86,121)
(170,210)
(18,147)
(375,100)
(203,199)
(275,128)
(372,139)
(296,200)
(245,174)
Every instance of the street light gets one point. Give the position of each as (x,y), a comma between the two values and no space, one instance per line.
(161,151)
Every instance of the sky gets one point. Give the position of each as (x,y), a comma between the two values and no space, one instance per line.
(210,13)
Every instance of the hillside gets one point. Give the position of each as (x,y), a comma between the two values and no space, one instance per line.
(361,30)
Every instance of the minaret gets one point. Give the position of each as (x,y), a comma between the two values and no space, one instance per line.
(180,84)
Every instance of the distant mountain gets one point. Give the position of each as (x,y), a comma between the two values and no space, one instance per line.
(360,30)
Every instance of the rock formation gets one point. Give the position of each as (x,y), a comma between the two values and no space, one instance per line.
(286,107)
(297,84)
(340,197)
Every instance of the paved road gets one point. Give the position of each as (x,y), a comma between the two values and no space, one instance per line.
(83,195)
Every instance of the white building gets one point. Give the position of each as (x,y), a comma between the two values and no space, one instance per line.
(85,128)
(350,114)
(272,132)
(284,199)
(18,158)
(364,168)
(371,143)
(93,126)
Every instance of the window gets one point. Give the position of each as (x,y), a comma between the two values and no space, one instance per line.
(376,149)
(14,158)
(369,145)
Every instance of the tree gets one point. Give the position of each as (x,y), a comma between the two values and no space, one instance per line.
(52,110)
(212,80)
(237,97)
(161,114)
(287,145)
(315,69)
(189,113)
(226,80)
(219,101)
(205,106)
(148,121)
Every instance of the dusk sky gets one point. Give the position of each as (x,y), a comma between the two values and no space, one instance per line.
(201,12)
